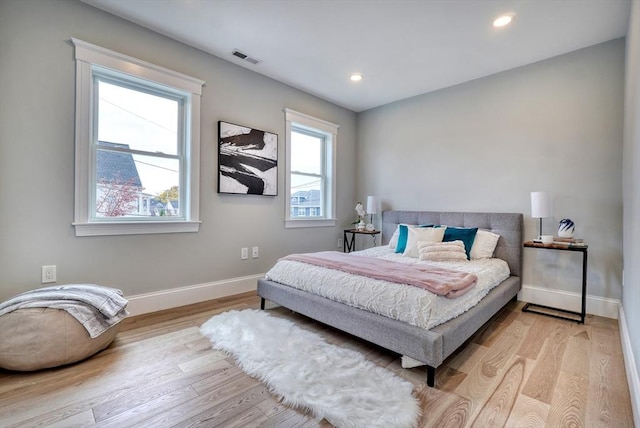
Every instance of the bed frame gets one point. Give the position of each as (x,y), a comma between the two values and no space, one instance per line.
(433,346)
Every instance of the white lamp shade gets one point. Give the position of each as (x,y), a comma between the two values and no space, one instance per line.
(541,205)
(372,205)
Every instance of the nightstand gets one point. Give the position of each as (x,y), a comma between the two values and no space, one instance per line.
(581,248)
(349,245)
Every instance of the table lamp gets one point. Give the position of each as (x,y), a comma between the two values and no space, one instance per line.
(372,207)
(541,207)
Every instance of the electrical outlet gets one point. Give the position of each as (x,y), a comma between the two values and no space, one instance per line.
(48,274)
(254,252)
(340,242)
(244,253)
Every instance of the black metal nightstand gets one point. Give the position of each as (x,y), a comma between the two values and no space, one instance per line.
(530,307)
(349,245)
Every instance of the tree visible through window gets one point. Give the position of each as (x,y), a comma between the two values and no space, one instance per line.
(138,152)
(137,145)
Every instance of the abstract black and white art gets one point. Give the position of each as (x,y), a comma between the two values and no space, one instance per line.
(247,160)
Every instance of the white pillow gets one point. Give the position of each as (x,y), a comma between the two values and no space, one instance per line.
(452,250)
(424,246)
(484,245)
(416,234)
(444,256)
(393,242)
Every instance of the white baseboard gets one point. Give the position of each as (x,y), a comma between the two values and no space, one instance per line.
(631,368)
(175,297)
(561,299)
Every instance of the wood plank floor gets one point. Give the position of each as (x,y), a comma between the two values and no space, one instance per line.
(519,370)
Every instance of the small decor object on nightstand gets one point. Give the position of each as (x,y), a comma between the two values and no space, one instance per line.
(547,239)
(360,225)
(566,228)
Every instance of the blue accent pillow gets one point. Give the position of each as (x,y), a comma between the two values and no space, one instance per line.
(465,234)
(403,235)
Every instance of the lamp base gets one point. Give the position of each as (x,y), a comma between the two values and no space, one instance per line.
(540,234)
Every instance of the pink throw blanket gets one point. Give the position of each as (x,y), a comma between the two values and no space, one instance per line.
(443,282)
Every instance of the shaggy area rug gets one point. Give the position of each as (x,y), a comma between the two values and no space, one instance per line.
(337,384)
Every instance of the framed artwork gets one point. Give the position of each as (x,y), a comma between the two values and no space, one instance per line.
(247,160)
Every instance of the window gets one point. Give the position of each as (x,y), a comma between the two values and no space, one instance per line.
(137,146)
(310,163)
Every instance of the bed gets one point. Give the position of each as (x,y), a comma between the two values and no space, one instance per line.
(429,346)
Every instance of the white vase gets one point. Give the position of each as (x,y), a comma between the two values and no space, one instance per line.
(361,225)
(566,228)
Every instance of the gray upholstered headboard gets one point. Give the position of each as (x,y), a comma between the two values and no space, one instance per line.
(507,225)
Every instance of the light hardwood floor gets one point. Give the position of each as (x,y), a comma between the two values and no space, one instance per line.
(520,370)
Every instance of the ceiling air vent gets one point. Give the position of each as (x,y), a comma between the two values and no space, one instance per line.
(245,57)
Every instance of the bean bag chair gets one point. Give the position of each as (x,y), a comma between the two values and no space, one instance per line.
(39,338)
(58,325)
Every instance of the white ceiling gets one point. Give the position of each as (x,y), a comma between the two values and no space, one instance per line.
(402,47)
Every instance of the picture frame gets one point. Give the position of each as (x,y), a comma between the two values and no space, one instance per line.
(247,160)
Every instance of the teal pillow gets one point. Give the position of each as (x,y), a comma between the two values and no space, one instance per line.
(403,235)
(465,234)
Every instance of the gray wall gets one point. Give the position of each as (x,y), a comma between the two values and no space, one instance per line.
(37,157)
(480,146)
(485,145)
(631,185)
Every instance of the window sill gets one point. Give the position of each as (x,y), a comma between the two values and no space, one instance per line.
(135,228)
(292,224)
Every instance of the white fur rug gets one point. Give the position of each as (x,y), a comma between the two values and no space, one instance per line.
(337,384)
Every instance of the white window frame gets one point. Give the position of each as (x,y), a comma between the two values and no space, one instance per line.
(88,57)
(329,130)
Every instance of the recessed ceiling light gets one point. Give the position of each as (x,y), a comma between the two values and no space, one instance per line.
(503,20)
(356,77)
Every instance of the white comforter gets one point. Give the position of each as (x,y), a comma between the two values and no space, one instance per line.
(405,303)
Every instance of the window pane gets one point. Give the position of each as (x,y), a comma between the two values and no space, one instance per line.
(306,195)
(306,153)
(135,185)
(143,121)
